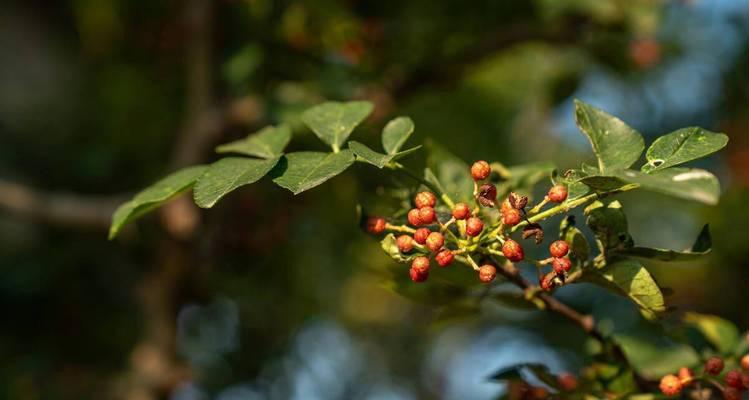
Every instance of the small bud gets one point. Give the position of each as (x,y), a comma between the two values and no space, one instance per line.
(567,381)
(745,362)
(413,217)
(670,385)
(487,273)
(547,281)
(418,276)
(534,230)
(731,393)
(685,375)
(435,240)
(557,193)
(405,243)
(714,365)
(420,236)
(512,250)
(375,225)
(517,201)
(511,217)
(474,226)
(561,265)
(427,215)
(425,199)
(558,249)
(734,379)
(444,257)
(480,170)
(420,264)
(461,211)
(487,195)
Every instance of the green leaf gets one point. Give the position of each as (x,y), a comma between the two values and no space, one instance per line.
(720,333)
(575,189)
(228,174)
(579,247)
(334,121)
(700,248)
(430,177)
(630,279)
(609,224)
(681,146)
(522,178)
(654,355)
(452,172)
(616,145)
(395,134)
(377,159)
(269,142)
(153,196)
(304,170)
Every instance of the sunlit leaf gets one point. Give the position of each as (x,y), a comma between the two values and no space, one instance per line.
(720,333)
(681,146)
(616,145)
(304,170)
(630,279)
(334,121)
(269,143)
(396,133)
(654,355)
(228,174)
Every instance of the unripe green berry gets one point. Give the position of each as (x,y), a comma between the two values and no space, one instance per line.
(418,276)
(487,273)
(444,257)
(512,250)
(714,365)
(425,199)
(420,236)
(427,215)
(435,240)
(461,211)
(376,225)
(480,170)
(558,249)
(474,226)
(405,243)
(557,193)
(511,217)
(670,385)
(420,264)
(413,217)
(561,265)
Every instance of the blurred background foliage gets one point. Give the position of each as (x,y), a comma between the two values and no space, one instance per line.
(275,296)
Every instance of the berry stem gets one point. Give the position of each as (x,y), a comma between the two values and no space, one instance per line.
(399,228)
(539,206)
(445,198)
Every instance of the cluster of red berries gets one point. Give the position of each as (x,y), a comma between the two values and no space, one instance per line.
(560,265)
(736,381)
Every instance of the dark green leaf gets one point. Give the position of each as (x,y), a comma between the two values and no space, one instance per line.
(681,146)
(377,159)
(153,196)
(334,121)
(616,145)
(700,248)
(228,174)
(609,224)
(630,279)
(654,355)
(720,333)
(704,241)
(269,142)
(579,248)
(304,170)
(395,134)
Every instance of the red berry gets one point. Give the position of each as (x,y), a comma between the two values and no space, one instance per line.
(547,281)
(405,243)
(734,379)
(425,199)
(426,215)
(558,249)
(561,265)
(506,205)
(512,250)
(558,193)
(567,381)
(685,375)
(413,217)
(444,257)
(714,365)
(745,381)
(670,385)
(745,362)
(461,211)
(435,240)
(538,393)
(731,393)
(375,225)
(511,217)
(480,170)
(474,226)
(420,264)
(420,236)
(487,273)
(418,276)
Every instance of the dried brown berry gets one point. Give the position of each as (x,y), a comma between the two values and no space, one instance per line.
(461,211)
(420,236)
(405,243)
(534,230)
(487,273)
(425,199)
(474,226)
(375,225)
(487,195)
(517,201)
(444,257)
(512,250)
(480,170)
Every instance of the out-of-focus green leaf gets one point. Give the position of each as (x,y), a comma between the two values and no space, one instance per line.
(681,146)
(700,248)
(723,335)
(396,133)
(154,196)
(522,178)
(616,145)
(518,300)
(228,174)
(630,279)
(609,224)
(334,121)
(304,170)
(379,160)
(654,355)
(452,172)
(430,177)
(269,143)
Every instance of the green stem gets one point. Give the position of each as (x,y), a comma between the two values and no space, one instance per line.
(445,198)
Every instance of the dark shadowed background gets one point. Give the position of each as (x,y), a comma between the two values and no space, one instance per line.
(270,295)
